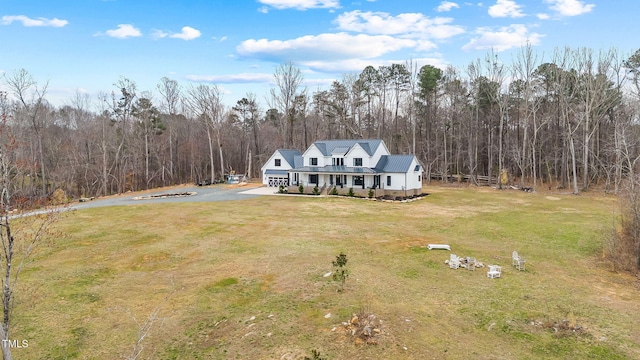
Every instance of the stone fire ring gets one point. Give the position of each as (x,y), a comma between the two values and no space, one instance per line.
(165,196)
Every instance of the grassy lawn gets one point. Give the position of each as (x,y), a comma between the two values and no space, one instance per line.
(244,280)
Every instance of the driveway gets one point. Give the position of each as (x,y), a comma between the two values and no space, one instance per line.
(221,192)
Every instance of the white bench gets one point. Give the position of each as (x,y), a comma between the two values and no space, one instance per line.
(438,247)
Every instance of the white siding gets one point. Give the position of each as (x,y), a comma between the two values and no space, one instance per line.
(413,176)
(271,165)
(313,152)
(381,150)
(397,181)
(357,152)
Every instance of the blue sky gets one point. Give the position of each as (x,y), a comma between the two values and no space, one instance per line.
(87,45)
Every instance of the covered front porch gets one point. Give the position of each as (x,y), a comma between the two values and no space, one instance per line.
(340,177)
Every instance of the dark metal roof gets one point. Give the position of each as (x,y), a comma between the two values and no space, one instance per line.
(394,163)
(289,156)
(334,170)
(276,172)
(329,147)
(342,150)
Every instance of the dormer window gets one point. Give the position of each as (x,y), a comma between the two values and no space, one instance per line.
(313,161)
(357,161)
(337,161)
(277,162)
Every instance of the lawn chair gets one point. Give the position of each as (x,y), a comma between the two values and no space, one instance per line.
(471,263)
(494,271)
(454,261)
(520,263)
(514,258)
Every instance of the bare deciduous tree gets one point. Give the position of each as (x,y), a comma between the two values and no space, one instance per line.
(288,79)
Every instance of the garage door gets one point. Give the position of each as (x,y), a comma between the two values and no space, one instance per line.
(276,181)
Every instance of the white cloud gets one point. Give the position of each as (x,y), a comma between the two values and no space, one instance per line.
(300,4)
(322,83)
(505,38)
(357,65)
(411,24)
(446,6)
(159,34)
(505,8)
(188,33)
(542,16)
(242,78)
(325,46)
(124,31)
(569,7)
(55,22)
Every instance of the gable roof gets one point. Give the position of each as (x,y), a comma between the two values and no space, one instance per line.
(394,163)
(290,156)
(331,147)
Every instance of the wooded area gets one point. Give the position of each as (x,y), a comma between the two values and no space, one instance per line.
(569,122)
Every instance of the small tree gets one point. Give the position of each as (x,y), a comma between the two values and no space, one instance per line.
(624,248)
(371,193)
(315,355)
(17,242)
(301,188)
(351,193)
(316,191)
(334,191)
(340,271)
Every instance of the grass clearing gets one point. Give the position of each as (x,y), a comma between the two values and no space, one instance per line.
(244,280)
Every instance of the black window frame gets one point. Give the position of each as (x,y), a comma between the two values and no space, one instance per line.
(357,161)
(313,161)
(388,180)
(278,162)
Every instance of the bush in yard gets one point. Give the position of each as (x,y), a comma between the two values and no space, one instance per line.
(301,189)
(340,271)
(370,193)
(59,197)
(315,355)
(623,248)
(351,193)
(316,191)
(334,191)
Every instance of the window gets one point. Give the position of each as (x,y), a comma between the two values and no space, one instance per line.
(358,180)
(313,179)
(419,178)
(313,161)
(388,180)
(277,162)
(357,161)
(337,161)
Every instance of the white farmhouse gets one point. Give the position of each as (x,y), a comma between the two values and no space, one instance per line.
(345,164)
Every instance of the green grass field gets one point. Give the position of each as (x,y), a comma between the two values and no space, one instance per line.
(244,280)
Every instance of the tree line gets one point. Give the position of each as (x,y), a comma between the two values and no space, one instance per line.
(570,122)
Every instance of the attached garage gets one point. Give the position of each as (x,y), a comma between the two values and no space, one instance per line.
(275,178)
(275,171)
